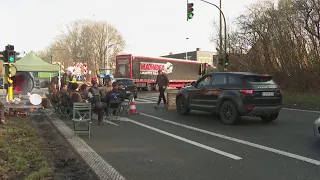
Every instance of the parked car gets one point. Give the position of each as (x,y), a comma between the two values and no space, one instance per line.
(129,87)
(316,128)
(232,95)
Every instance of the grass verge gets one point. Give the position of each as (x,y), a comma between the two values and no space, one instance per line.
(21,156)
(305,100)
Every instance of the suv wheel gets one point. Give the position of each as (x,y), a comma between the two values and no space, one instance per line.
(270,117)
(229,113)
(182,106)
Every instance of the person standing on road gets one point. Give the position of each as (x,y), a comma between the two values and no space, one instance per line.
(162,81)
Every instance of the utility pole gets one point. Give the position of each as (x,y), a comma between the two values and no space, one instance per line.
(220,6)
(107,48)
(225,27)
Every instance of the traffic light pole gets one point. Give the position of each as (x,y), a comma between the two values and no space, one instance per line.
(10,83)
(225,26)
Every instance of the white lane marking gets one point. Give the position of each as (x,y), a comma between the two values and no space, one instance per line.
(123,119)
(109,122)
(188,141)
(150,102)
(301,110)
(142,100)
(266,148)
(145,102)
(101,167)
(150,98)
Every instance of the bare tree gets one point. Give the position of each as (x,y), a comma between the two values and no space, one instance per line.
(282,39)
(91,42)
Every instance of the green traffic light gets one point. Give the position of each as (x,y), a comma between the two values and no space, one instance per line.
(11,59)
(190,16)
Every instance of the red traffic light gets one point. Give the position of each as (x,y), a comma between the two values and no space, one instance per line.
(190,5)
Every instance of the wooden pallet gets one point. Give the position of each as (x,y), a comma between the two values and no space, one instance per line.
(171,100)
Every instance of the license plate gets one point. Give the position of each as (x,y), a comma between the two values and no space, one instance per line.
(267,93)
(128,92)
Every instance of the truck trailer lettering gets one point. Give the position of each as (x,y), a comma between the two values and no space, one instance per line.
(146,66)
(153,68)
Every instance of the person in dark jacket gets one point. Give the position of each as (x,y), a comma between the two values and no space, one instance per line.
(114,94)
(162,81)
(95,99)
(121,88)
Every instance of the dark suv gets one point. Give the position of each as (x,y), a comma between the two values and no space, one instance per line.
(232,95)
(129,87)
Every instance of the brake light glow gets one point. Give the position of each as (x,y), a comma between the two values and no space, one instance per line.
(280,91)
(246,91)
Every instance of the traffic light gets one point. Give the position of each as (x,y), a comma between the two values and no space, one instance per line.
(9,54)
(221,61)
(226,62)
(190,11)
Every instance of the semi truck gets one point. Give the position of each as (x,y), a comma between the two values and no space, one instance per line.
(144,70)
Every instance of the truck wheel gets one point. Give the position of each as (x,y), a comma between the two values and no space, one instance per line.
(229,113)
(269,118)
(182,106)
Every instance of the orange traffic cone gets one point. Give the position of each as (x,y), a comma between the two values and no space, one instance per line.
(133,109)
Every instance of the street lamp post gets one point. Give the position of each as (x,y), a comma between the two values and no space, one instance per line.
(187,48)
(107,47)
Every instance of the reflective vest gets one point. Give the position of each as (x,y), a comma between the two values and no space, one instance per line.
(74,79)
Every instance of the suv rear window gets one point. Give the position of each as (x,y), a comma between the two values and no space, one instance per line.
(126,82)
(259,79)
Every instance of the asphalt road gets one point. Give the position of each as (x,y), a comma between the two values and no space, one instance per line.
(160,144)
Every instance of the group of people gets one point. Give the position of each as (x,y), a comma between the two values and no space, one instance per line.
(99,98)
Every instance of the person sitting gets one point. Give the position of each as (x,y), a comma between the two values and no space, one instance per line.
(94,89)
(106,89)
(74,94)
(114,94)
(95,99)
(63,91)
(122,89)
(84,92)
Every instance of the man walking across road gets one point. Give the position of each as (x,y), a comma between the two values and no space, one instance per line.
(162,81)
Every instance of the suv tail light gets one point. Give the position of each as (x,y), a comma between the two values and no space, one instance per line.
(280,91)
(247,91)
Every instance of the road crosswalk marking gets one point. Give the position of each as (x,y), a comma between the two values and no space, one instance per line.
(146,99)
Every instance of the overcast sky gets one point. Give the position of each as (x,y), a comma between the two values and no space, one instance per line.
(150,27)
